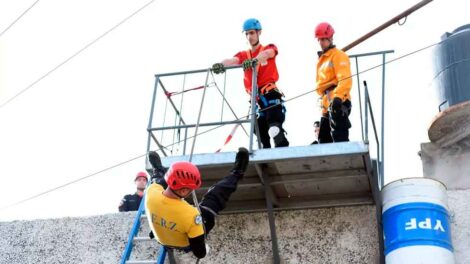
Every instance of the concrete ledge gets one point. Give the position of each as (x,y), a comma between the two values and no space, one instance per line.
(328,235)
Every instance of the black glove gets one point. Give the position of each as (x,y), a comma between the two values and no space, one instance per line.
(249,63)
(218,68)
(336,107)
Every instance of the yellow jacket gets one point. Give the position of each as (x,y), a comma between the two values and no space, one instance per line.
(173,221)
(334,70)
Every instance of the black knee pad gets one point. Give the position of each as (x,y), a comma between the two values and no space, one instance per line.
(278,134)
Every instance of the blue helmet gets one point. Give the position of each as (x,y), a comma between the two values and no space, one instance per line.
(251,23)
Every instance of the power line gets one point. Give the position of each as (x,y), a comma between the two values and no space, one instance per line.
(76,53)
(72,182)
(18,18)
(212,129)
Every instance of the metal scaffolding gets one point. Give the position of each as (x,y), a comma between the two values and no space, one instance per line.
(323,175)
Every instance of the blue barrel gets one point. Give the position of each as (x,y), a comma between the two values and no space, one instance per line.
(452,67)
(416,222)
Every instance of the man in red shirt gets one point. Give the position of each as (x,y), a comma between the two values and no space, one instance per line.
(269,96)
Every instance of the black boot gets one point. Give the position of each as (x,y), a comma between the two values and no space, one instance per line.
(241,162)
(158,169)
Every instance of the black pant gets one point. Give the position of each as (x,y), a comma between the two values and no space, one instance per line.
(335,127)
(215,200)
(273,116)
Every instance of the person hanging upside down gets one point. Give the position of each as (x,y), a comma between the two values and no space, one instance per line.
(176,223)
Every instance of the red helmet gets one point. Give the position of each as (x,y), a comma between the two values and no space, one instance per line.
(324,30)
(141,174)
(183,174)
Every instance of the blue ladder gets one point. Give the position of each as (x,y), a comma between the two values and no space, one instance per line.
(163,252)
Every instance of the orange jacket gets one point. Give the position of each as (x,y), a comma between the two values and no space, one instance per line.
(333,69)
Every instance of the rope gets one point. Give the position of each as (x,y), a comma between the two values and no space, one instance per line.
(18,18)
(225,100)
(72,182)
(170,94)
(193,193)
(230,136)
(76,54)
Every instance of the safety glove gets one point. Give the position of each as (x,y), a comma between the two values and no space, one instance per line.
(336,107)
(249,63)
(218,68)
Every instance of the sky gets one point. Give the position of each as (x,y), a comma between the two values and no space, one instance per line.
(91,112)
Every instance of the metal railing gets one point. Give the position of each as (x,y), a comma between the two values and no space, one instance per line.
(367,107)
(182,125)
(365,111)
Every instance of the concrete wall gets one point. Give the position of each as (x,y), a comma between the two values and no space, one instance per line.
(449,165)
(333,235)
(330,235)
(460,218)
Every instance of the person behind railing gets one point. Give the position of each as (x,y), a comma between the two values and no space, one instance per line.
(333,85)
(131,202)
(316,131)
(176,223)
(269,96)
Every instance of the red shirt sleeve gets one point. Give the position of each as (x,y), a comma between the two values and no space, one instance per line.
(273,47)
(241,56)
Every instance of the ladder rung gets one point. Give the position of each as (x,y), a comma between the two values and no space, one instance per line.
(142,216)
(145,239)
(141,261)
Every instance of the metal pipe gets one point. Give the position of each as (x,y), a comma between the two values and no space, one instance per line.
(258,135)
(152,108)
(164,118)
(171,101)
(366,114)
(241,121)
(193,193)
(199,117)
(370,53)
(369,108)
(194,71)
(387,24)
(383,123)
(178,131)
(359,96)
(228,104)
(223,96)
(185,140)
(135,228)
(270,209)
(158,144)
(254,90)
